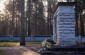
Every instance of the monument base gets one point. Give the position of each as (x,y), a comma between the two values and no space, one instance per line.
(67,42)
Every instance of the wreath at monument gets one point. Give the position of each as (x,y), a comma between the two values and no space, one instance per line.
(48,43)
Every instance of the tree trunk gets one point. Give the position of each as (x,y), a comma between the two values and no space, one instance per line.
(81,25)
(29,29)
(12,30)
(22,39)
(76,18)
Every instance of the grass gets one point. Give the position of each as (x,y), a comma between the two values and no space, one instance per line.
(12,44)
(2,52)
(8,44)
(36,45)
(30,43)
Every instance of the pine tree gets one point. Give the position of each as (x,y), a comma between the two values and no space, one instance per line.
(22,33)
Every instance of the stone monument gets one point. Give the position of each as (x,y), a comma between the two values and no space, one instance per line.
(64,24)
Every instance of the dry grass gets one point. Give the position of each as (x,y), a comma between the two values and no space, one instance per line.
(12,44)
(36,45)
(2,52)
(8,44)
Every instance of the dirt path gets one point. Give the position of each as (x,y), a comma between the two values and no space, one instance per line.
(18,50)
